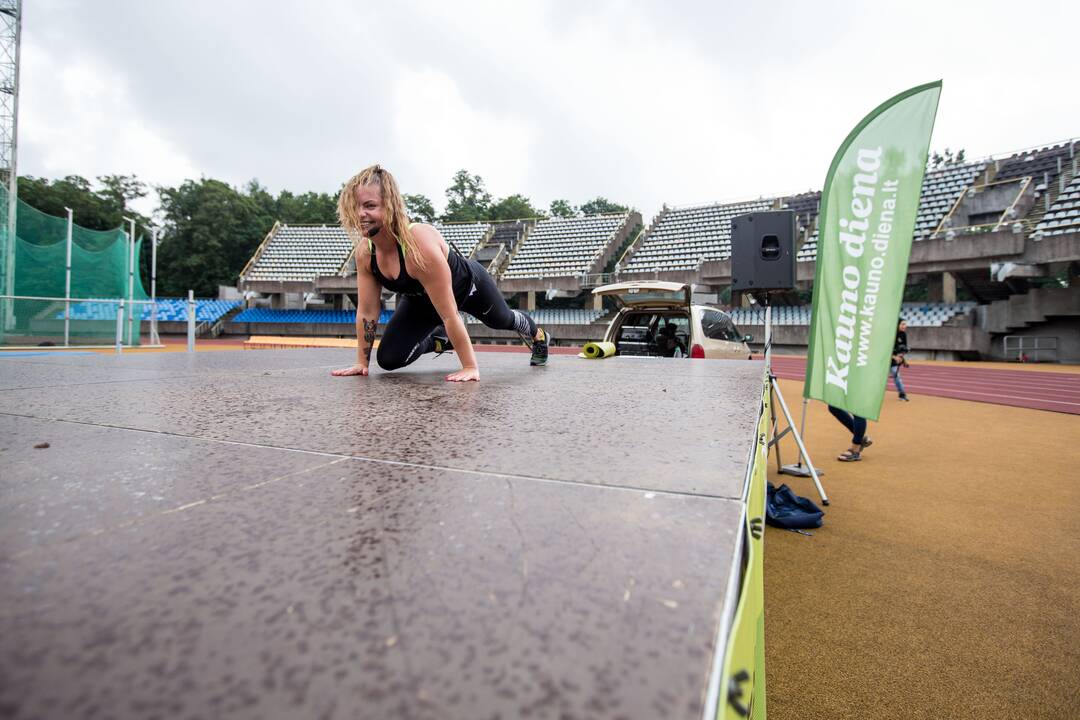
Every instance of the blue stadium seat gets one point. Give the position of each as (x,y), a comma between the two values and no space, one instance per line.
(168,310)
(327,317)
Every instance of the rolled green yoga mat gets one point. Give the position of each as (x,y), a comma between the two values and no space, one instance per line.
(597,350)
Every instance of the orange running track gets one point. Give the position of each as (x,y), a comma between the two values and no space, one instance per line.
(1057,391)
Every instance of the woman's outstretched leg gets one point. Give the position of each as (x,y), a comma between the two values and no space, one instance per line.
(489,307)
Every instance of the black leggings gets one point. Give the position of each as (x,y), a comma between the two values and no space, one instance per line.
(408,335)
(854,423)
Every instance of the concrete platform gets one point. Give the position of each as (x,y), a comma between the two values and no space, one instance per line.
(243,535)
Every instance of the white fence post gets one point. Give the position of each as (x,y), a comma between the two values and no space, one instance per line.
(120,328)
(191,321)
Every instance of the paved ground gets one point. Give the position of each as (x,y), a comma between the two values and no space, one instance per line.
(240,534)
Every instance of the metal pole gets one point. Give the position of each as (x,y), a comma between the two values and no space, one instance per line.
(774,390)
(191,321)
(772,383)
(154,338)
(802,448)
(120,328)
(67,280)
(798,469)
(768,337)
(8,319)
(131,281)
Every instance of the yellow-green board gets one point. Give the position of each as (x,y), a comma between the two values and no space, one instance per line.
(742,690)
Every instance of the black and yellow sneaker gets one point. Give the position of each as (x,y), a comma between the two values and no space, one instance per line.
(540,348)
(442,342)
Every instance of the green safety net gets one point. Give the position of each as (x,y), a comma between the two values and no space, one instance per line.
(33,264)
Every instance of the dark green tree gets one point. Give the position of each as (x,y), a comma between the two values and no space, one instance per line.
(467,200)
(562,209)
(601,205)
(311,208)
(91,210)
(419,208)
(515,207)
(268,205)
(211,230)
(121,189)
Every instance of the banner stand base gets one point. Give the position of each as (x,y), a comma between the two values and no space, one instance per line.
(799,470)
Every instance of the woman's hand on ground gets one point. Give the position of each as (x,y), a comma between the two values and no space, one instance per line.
(468,374)
(354,370)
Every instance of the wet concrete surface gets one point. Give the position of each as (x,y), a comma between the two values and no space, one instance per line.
(683,423)
(242,535)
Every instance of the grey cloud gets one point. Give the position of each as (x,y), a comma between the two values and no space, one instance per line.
(298,96)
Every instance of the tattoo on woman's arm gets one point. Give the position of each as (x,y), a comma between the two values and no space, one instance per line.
(369,337)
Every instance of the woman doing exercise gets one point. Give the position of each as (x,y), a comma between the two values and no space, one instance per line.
(433,283)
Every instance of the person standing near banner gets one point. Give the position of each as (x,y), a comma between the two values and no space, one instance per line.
(900,350)
(857,426)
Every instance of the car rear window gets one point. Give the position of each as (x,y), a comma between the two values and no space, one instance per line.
(718,326)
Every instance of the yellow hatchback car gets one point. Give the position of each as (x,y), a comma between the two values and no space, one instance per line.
(657,319)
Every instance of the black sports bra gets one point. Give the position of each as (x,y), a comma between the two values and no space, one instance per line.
(405,284)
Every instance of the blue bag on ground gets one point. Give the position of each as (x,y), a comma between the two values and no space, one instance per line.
(785,509)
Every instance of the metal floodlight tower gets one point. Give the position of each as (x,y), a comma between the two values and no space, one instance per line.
(10,34)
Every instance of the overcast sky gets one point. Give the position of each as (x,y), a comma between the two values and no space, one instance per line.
(640,102)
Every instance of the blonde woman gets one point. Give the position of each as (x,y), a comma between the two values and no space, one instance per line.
(433,283)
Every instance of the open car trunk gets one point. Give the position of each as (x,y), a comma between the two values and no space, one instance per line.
(653,333)
(654,319)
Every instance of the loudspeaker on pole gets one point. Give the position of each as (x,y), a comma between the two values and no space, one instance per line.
(763,251)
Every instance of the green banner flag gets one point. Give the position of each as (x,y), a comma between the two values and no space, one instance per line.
(868,210)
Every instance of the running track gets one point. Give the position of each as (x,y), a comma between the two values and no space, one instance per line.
(1055,391)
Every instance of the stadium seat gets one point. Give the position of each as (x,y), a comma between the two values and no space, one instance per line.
(328,317)
(1064,215)
(168,310)
(682,238)
(301,253)
(564,246)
